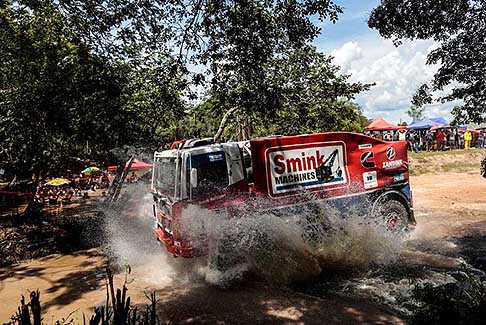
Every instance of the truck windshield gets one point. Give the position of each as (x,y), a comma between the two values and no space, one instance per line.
(164,175)
(212,173)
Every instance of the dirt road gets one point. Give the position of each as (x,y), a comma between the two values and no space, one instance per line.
(451,215)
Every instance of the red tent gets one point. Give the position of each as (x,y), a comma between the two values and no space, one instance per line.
(436,127)
(136,165)
(380,124)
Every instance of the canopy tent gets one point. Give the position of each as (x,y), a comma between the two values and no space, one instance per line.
(58,182)
(471,127)
(380,124)
(439,120)
(90,170)
(436,127)
(427,123)
(136,165)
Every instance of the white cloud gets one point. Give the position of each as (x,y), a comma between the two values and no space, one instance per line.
(347,54)
(397,72)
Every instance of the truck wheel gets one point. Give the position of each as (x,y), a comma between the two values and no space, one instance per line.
(393,215)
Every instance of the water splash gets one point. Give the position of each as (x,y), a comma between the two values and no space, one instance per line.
(287,245)
(130,240)
(280,246)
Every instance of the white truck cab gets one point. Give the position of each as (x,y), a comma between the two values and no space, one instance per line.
(192,171)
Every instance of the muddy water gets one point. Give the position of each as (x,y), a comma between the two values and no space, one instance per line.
(451,230)
(451,216)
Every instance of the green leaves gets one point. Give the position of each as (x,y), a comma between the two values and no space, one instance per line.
(458,26)
(416,112)
(79,78)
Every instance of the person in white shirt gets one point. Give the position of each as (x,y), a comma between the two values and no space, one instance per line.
(402,135)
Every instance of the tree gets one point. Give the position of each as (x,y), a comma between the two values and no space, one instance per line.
(61,99)
(79,78)
(57,98)
(458,27)
(308,96)
(416,112)
(153,96)
(312,96)
(236,44)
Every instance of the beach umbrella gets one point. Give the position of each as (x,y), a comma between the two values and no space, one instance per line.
(58,182)
(90,170)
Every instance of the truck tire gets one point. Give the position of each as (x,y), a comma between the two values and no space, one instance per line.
(392,214)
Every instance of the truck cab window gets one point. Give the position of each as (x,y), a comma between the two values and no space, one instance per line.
(165,174)
(212,173)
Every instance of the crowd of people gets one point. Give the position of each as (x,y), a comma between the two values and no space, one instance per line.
(77,187)
(439,139)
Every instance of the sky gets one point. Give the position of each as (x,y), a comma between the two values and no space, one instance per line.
(367,57)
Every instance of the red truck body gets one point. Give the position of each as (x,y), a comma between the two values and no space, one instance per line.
(347,169)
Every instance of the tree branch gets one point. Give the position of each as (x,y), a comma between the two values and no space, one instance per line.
(222,125)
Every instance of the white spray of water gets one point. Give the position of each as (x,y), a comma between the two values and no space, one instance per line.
(276,245)
(272,244)
(131,241)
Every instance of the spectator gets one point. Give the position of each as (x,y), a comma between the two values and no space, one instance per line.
(440,138)
(429,140)
(467,139)
(480,143)
(418,139)
(388,136)
(461,140)
(402,135)
(413,137)
(451,139)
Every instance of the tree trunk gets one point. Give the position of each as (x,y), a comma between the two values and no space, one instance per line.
(119,180)
(222,125)
(244,130)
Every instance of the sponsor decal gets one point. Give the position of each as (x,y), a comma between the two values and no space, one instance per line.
(392,164)
(306,168)
(370,180)
(390,153)
(215,157)
(365,146)
(365,159)
(398,177)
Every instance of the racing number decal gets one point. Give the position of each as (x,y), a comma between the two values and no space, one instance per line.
(365,156)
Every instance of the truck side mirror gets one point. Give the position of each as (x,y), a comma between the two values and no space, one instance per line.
(193,177)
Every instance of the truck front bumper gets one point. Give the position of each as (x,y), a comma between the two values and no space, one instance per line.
(169,243)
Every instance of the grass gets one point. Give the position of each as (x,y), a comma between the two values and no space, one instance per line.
(461,166)
(445,161)
(424,154)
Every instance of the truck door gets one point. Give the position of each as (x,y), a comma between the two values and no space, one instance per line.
(234,162)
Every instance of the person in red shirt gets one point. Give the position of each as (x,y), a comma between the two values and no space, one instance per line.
(440,138)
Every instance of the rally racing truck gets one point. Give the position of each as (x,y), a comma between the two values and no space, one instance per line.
(348,171)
